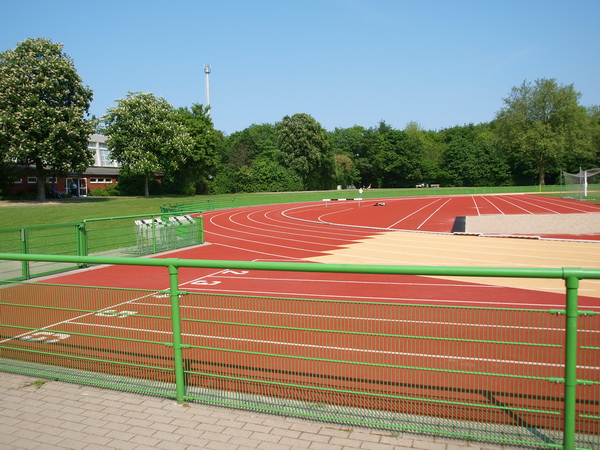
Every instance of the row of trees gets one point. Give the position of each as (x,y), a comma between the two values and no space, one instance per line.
(541,130)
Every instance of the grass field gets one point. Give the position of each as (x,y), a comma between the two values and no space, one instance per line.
(14,214)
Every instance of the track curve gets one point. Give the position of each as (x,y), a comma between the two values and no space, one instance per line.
(304,233)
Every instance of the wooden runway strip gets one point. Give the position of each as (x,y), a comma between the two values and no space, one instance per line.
(410,248)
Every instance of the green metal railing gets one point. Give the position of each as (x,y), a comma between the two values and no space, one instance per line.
(519,377)
(124,236)
(135,235)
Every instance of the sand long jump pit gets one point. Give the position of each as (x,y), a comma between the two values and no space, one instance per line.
(570,225)
(481,246)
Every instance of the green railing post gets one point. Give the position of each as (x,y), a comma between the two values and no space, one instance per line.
(25,250)
(201,228)
(572,285)
(176,323)
(81,239)
(153,235)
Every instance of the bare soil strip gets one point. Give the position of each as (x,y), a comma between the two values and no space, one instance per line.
(411,248)
(539,224)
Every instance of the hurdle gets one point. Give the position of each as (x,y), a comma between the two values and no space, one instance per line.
(328,200)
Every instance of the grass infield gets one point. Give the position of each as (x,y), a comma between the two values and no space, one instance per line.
(16,213)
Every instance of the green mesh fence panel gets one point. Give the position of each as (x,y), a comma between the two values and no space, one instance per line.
(588,401)
(484,374)
(11,241)
(520,377)
(69,333)
(114,236)
(61,239)
(142,235)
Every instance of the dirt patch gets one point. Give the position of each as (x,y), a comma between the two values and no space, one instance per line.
(528,224)
(26,203)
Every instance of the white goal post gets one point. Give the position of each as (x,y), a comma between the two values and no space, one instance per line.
(577,185)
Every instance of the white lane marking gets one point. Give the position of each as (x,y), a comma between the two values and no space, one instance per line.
(433,214)
(419,301)
(75,318)
(373,319)
(346,349)
(406,217)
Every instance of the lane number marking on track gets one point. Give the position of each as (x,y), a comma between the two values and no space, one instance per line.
(116,313)
(234,272)
(50,337)
(205,282)
(45,337)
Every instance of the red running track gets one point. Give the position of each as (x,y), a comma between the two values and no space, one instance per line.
(293,232)
(437,214)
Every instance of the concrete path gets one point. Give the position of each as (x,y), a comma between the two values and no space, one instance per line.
(40,414)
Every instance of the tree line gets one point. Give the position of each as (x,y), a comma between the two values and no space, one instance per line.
(541,129)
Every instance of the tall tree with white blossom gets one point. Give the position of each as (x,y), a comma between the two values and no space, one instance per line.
(146,136)
(43,111)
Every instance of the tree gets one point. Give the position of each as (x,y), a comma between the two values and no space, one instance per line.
(306,150)
(269,176)
(245,146)
(43,105)
(429,147)
(348,146)
(396,158)
(200,166)
(543,123)
(470,159)
(146,136)
(251,162)
(594,115)
(346,173)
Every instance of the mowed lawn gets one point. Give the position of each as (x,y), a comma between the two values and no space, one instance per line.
(17,214)
(20,213)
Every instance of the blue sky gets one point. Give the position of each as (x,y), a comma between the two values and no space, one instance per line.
(439,63)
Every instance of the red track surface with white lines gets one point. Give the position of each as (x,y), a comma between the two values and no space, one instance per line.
(293,232)
(437,214)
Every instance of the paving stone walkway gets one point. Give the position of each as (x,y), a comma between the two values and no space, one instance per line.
(39,414)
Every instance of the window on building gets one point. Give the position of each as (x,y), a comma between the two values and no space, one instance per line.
(105,156)
(92,149)
(32,180)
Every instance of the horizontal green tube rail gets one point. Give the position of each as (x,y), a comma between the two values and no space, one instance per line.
(120,338)
(571,276)
(363,333)
(96,360)
(503,272)
(35,227)
(371,364)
